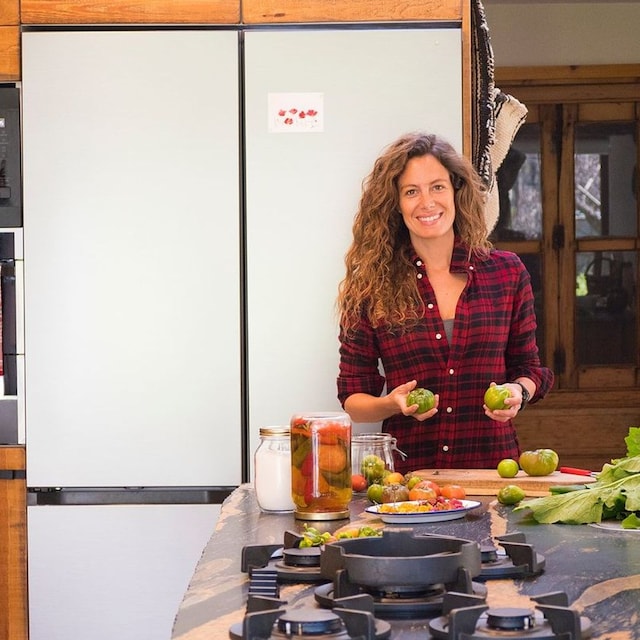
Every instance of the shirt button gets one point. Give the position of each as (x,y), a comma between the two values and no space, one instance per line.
(438,336)
(451,372)
(430,305)
(449,409)
(446,447)
(419,276)
(470,267)
(418,263)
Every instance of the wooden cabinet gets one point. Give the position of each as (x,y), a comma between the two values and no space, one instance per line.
(9,40)
(13,535)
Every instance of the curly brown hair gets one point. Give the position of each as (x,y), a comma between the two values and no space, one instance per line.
(379,277)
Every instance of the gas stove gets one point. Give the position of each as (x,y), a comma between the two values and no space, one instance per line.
(510,557)
(367,586)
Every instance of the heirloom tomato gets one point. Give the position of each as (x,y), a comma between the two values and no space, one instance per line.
(540,462)
(495,396)
(423,398)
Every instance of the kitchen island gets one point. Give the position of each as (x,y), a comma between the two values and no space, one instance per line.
(598,567)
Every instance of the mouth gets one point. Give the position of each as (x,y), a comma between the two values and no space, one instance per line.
(429,219)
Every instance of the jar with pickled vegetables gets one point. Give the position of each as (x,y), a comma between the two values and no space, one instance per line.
(372,456)
(321,465)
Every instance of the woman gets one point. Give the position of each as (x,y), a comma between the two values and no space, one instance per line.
(426,297)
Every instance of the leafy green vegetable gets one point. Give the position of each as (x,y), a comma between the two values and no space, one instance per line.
(631,522)
(615,494)
(633,442)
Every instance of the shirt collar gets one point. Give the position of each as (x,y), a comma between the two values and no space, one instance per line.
(461,261)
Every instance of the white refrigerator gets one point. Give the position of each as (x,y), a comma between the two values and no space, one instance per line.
(184,234)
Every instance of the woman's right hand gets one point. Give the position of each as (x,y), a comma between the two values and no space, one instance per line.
(399,397)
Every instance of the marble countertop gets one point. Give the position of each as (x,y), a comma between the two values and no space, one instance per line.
(597,567)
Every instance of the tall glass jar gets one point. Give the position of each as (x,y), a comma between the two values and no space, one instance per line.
(372,455)
(272,465)
(321,465)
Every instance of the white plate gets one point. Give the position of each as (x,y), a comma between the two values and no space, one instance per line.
(612,525)
(422,516)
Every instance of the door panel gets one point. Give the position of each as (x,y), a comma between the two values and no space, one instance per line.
(131,258)
(303,186)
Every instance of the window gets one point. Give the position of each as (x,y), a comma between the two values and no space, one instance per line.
(569,207)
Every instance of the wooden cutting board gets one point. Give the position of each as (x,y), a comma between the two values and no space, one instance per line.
(487,482)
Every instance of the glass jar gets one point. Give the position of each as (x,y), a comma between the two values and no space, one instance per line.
(321,465)
(272,466)
(372,455)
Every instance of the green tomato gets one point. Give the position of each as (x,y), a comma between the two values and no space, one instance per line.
(541,462)
(511,494)
(423,398)
(508,468)
(495,396)
(372,468)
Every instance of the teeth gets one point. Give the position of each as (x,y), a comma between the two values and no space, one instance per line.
(429,218)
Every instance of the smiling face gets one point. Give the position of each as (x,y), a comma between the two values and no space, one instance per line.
(426,199)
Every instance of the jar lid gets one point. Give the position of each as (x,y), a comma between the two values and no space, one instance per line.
(275,431)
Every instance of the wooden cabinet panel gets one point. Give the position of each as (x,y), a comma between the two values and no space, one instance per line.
(9,53)
(265,11)
(130,12)
(587,429)
(9,12)
(13,534)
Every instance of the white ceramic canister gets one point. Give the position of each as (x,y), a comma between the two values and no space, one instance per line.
(272,465)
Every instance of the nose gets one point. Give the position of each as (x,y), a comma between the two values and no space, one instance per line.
(428,201)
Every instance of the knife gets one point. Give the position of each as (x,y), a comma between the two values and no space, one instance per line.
(577,472)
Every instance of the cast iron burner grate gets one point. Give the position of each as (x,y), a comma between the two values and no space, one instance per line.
(268,620)
(466,617)
(518,559)
(406,575)
(290,563)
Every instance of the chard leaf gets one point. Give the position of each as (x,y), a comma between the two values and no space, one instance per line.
(631,522)
(587,505)
(633,442)
(617,470)
(576,507)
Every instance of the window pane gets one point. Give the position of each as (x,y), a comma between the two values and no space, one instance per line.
(533,262)
(606,322)
(605,157)
(519,189)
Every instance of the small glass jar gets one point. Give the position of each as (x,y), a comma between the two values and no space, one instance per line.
(321,465)
(372,455)
(272,465)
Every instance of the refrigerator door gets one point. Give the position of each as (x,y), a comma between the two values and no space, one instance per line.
(359,89)
(131,254)
(106,572)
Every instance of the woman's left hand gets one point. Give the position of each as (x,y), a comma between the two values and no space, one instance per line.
(513,402)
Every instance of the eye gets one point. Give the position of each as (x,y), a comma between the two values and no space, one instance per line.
(410,192)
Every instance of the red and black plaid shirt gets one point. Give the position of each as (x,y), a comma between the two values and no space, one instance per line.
(493,340)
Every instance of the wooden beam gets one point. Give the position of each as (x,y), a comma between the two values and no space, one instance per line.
(293,11)
(36,12)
